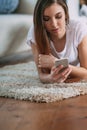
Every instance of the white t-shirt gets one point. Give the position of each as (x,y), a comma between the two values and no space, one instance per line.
(75,31)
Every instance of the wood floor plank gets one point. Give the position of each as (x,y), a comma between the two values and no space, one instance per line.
(70,114)
(2,101)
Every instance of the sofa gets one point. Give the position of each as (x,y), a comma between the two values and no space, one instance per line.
(14,28)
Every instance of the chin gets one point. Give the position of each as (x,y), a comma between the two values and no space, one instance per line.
(59,36)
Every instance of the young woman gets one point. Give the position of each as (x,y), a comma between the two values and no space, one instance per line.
(53,36)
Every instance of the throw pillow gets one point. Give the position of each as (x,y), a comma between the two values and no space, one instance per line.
(8,6)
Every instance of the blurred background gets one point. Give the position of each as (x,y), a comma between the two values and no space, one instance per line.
(16,17)
(77,8)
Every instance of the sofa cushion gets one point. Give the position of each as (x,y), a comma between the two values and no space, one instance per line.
(26,7)
(13,33)
(8,6)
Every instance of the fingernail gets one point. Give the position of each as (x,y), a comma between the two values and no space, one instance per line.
(39,66)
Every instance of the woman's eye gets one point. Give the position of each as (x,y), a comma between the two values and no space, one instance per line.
(45,18)
(59,16)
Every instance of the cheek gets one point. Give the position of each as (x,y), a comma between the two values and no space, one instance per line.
(62,23)
(47,26)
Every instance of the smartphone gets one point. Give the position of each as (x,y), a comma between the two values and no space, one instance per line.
(63,62)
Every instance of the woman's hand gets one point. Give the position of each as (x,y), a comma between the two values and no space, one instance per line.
(46,61)
(57,75)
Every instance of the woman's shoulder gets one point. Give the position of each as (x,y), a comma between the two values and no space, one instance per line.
(81,21)
(79,30)
(77,24)
(31,36)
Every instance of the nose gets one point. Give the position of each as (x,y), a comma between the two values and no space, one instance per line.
(53,22)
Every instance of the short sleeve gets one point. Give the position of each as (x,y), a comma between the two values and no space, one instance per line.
(81,31)
(31,36)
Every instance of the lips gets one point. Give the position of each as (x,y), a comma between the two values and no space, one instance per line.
(55,30)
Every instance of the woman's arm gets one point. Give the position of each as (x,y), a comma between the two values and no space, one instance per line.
(47,61)
(54,75)
(81,72)
(44,77)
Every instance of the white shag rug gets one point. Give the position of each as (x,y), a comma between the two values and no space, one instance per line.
(21,81)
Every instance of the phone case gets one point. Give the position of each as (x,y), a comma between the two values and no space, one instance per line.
(63,62)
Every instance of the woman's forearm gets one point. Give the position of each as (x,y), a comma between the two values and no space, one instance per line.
(79,72)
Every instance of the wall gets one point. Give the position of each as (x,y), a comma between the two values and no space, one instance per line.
(73,6)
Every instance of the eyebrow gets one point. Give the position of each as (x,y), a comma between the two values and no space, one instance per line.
(55,14)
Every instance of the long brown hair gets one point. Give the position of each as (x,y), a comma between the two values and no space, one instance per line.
(41,35)
(83,2)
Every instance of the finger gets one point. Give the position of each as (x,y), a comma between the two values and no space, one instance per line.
(65,76)
(58,69)
(61,77)
(55,72)
(39,56)
(67,71)
(59,80)
(39,66)
(62,80)
(39,61)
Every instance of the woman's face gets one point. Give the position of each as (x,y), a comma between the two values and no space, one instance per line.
(54,20)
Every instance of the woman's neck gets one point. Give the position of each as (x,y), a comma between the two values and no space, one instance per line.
(59,44)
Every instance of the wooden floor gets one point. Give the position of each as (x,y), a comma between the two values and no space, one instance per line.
(69,114)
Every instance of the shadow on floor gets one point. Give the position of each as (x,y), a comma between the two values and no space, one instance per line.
(16,58)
